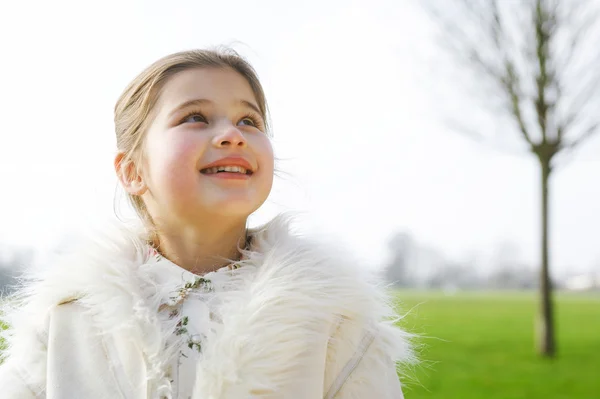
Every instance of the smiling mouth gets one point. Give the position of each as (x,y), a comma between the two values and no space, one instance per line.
(237,170)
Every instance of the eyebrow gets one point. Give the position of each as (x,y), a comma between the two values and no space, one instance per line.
(203,101)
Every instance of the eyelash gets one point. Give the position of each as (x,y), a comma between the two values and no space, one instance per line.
(256,120)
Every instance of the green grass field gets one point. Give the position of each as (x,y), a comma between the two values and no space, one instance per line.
(481,346)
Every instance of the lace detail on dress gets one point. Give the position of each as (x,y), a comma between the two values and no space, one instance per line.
(190,309)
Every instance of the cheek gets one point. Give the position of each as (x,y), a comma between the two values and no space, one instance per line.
(267,163)
(173,160)
(265,155)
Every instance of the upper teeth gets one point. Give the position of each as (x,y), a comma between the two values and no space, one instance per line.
(234,169)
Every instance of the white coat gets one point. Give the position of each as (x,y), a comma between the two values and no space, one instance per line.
(303,322)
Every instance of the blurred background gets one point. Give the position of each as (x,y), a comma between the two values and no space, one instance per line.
(452,145)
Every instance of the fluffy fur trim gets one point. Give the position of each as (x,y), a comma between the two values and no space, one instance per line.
(290,294)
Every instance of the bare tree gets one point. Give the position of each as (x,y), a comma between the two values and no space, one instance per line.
(540,59)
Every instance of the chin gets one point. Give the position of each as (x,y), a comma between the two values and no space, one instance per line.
(234,208)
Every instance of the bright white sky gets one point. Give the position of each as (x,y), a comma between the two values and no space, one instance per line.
(356,117)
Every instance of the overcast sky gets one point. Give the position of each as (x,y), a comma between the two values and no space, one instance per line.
(355,104)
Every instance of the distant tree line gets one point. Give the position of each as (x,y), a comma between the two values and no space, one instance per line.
(415,266)
(12,263)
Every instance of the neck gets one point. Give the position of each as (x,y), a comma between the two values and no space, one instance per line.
(203,250)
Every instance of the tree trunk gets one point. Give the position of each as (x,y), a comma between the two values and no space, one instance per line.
(546,337)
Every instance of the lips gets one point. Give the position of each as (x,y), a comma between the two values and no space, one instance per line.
(226,169)
(230,166)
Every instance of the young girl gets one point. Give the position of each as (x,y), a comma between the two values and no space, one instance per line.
(190,303)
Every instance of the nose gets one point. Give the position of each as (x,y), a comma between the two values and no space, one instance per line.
(229,136)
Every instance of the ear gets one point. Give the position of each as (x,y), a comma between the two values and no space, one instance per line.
(129,176)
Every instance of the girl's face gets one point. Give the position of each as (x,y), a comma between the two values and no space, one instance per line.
(206,152)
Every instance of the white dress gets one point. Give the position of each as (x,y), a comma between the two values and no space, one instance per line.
(190,308)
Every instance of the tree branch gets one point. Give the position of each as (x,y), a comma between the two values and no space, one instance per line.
(578,28)
(510,83)
(592,129)
(481,139)
(544,27)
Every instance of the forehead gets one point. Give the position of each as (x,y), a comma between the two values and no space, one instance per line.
(220,85)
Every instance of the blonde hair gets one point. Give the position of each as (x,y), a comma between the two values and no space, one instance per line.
(133,111)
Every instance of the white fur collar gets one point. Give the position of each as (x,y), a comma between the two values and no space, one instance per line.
(285,281)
